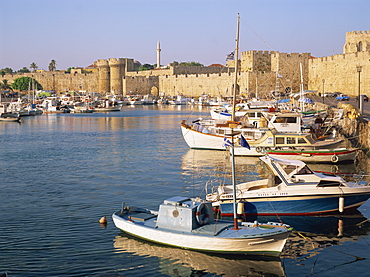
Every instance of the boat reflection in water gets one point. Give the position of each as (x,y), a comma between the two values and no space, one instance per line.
(314,233)
(200,163)
(179,262)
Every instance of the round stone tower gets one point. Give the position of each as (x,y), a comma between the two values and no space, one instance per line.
(116,73)
(104,76)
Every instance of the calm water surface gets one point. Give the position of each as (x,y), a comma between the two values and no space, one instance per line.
(61,173)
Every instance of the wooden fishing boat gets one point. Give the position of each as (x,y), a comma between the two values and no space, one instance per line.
(189,223)
(317,156)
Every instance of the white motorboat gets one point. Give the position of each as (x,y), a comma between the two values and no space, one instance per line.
(293,189)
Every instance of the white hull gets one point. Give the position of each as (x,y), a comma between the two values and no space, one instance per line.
(135,102)
(199,140)
(109,109)
(269,245)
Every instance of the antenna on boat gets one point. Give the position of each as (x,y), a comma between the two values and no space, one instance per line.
(236,66)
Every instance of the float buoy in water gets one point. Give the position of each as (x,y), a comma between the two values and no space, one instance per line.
(103,220)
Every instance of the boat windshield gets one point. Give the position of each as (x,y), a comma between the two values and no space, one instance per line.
(305,170)
(296,170)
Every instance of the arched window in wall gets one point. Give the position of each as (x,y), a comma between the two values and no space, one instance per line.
(359,47)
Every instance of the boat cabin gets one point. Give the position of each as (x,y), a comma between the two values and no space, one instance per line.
(183,214)
(284,122)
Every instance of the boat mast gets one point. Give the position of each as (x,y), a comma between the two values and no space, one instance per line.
(233,119)
(236,66)
(301,90)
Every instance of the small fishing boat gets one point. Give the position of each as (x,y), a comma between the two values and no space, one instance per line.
(316,156)
(189,223)
(293,189)
(10,119)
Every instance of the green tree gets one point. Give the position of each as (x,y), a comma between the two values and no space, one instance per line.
(24,70)
(33,66)
(190,64)
(7,70)
(52,65)
(175,63)
(146,67)
(23,83)
(4,85)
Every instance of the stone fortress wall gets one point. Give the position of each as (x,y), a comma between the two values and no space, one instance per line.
(257,76)
(340,72)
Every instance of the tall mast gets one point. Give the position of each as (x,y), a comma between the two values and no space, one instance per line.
(232,131)
(301,90)
(236,66)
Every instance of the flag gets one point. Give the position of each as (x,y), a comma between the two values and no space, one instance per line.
(226,143)
(244,143)
(230,56)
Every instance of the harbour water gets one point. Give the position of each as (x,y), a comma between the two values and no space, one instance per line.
(60,173)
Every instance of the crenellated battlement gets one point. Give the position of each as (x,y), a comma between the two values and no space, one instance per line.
(116,62)
(357,41)
(357,33)
(102,62)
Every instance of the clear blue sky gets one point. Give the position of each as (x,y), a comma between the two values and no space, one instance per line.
(79,32)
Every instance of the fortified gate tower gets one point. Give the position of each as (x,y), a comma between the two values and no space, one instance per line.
(357,41)
(111,72)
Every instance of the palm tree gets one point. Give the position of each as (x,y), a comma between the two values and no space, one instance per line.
(33,66)
(4,85)
(52,65)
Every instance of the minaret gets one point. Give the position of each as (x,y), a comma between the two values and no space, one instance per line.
(158,54)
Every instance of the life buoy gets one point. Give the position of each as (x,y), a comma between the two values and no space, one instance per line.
(259,149)
(267,148)
(202,214)
(334,158)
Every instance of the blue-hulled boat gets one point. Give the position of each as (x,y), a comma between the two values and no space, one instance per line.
(294,189)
